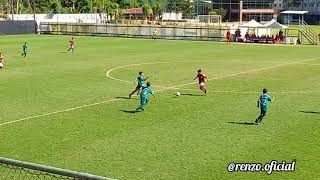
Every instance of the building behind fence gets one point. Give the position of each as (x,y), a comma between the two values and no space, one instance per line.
(215,33)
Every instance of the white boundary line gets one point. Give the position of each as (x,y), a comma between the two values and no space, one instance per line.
(254,92)
(173,87)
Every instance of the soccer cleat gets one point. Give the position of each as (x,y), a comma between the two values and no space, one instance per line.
(130,96)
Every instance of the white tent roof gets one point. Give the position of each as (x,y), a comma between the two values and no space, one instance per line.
(294,12)
(273,24)
(250,24)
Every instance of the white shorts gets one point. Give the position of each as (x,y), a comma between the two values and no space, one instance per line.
(202,84)
(1,65)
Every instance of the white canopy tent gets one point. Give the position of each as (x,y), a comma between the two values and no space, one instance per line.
(253,24)
(273,24)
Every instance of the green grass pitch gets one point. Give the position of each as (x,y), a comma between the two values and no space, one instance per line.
(187,137)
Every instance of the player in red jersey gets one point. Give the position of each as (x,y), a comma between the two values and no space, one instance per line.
(71,43)
(228,36)
(1,61)
(202,78)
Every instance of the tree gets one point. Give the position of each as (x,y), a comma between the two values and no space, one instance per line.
(158,8)
(183,6)
(222,12)
(82,6)
(147,10)
(56,7)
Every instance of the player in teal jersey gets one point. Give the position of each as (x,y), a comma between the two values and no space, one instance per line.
(24,50)
(263,103)
(140,85)
(144,97)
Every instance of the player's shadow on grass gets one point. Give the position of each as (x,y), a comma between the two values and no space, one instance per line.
(122,97)
(243,123)
(310,112)
(63,52)
(189,94)
(126,111)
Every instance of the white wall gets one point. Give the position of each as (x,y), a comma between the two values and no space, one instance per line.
(84,18)
(171,16)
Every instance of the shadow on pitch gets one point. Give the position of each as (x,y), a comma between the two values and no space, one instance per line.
(243,123)
(63,52)
(122,97)
(126,111)
(189,94)
(310,112)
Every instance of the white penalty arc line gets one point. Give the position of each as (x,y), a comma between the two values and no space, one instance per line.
(173,87)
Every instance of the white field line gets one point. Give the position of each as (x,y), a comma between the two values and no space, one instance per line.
(173,87)
(244,72)
(253,92)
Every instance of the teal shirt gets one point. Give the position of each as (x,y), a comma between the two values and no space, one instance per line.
(140,80)
(25,48)
(146,91)
(264,100)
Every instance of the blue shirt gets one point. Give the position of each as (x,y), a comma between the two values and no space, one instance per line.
(264,100)
(146,91)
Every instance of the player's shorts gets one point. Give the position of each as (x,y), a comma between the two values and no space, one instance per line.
(202,84)
(263,112)
(72,46)
(1,65)
(143,100)
(139,87)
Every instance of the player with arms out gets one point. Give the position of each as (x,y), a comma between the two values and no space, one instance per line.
(202,78)
(140,80)
(263,103)
(71,43)
(144,97)
(24,50)
(1,61)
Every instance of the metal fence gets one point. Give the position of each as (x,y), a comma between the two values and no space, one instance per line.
(140,31)
(11,169)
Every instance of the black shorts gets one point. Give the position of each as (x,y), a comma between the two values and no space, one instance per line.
(263,112)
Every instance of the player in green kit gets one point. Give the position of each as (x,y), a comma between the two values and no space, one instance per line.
(140,85)
(144,97)
(24,50)
(263,103)
(154,34)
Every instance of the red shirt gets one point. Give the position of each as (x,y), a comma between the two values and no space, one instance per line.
(201,78)
(71,42)
(1,59)
(228,34)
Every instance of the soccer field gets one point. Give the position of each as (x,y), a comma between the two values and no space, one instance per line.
(71,110)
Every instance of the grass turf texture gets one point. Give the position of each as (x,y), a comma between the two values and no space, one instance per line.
(186,137)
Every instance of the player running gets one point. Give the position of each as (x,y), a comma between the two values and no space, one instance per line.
(24,50)
(263,103)
(1,61)
(140,80)
(202,78)
(144,97)
(71,43)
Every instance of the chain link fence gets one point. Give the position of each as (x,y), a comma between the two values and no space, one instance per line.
(140,31)
(11,169)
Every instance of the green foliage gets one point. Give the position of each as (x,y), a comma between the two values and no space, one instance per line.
(184,6)
(222,12)
(83,6)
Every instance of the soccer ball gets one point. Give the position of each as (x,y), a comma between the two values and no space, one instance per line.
(178,94)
